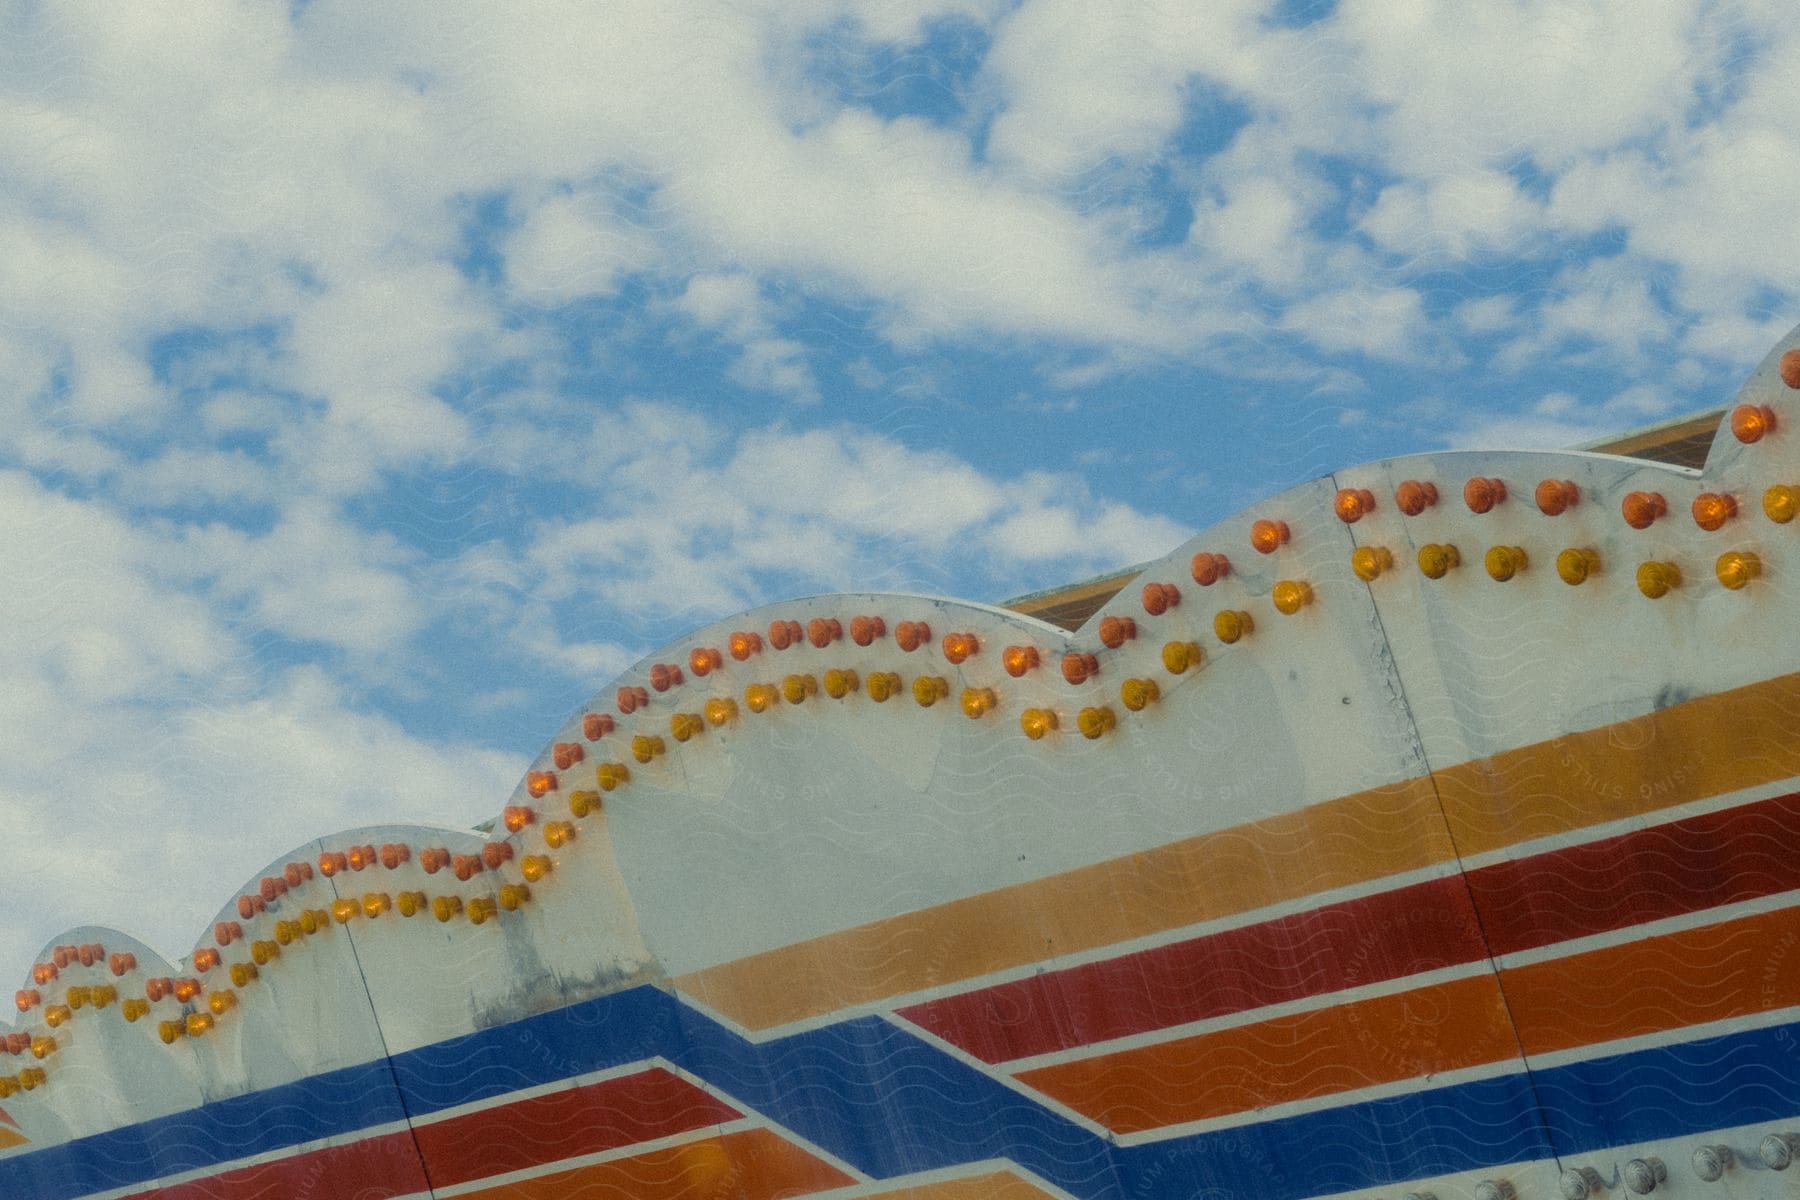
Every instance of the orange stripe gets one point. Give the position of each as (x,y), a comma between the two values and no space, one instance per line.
(1706,747)
(1702,748)
(1001,1185)
(755,1164)
(10,1138)
(1339,842)
(1670,982)
(1325,1052)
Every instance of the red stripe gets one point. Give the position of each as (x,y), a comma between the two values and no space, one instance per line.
(1681,867)
(586,1120)
(373,1169)
(1393,934)
(508,1137)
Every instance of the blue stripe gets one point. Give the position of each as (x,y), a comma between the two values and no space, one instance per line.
(891,1104)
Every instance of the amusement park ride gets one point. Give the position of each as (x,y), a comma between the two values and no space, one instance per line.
(1431,830)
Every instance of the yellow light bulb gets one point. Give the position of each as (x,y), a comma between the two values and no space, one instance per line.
(1139,694)
(1503,562)
(1736,568)
(1036,722)
(1576,564)
(1291,595)
(1436,561)
(1370,561)
(1658,579)
(1177,657)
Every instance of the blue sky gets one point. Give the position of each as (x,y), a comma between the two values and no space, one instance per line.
(377,380)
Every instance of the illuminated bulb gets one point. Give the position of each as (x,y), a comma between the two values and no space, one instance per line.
(1576,564)
(683,726)
(1094,722)
(517,817)
(1482,493)
(704,660)
(864,630)
(1291,595)
(1781,503)
(1036,722)
(481,910)
(1641,509)
(134,1007)
(645,747)
(376,903)
(1752,422)
(1116,631)
(840,682)
(222,1002)
(1230,625)
(242,973)
(558,834)
(43,1047)
(198,1024)
(1713,509)
(43,973)
(910,635)
(929,689)
(1370,561)
(205,960)
(408,904)
(1503,562)
(56,1014)
(1268,536)
(595,726)
(822,631)
(585,803)
(1436,561)
(27,999)
(331,862)
(445,907)
(537,783)
(1078,667)
(883,684)
(759,696)
(1557,496)
(1159,598)
(343,910)
(743,644)
(1353,504)
(534,867)
(1138,694)
(512,895)
(1736,568)
(720,710)
(1208,568)
(1414,497)
(796,688)
(978,702)
(1657,579)
(1018,660)
(1177,657)
(959,646)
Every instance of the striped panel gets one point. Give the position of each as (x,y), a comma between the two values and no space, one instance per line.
(1646,875)
(565,1124)
(1709,746)
(1340,842)
(754,1164)
(1320,1053)
(1386,936)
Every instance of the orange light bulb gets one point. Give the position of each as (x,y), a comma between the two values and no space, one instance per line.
(1752,422)
(1557,496)
(1018,660)
(1267,536)
(1078,667)
(1208,568)
(743,644)
(1353,504)
(1414,497)
(1642,509)
(1713,509)
(1159,598)
(1116,631)
(1482,493)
